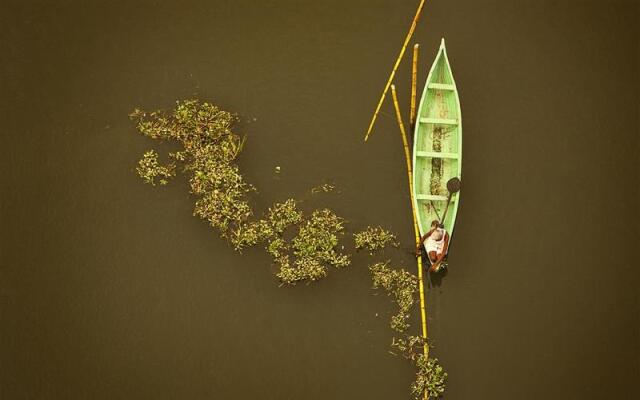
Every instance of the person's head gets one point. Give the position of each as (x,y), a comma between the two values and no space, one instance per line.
(437,235)
(435,224)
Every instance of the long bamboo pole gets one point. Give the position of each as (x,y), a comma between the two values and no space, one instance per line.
(407,156)
(395,67)
(414,83)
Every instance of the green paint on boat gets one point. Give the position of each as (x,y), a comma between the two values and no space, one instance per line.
(437,146)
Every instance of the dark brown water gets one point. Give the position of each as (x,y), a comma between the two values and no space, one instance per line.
(110,290)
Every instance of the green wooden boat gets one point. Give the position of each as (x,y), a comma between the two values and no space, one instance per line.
(437,146)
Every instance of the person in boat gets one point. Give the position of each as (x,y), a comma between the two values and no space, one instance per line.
(436,244)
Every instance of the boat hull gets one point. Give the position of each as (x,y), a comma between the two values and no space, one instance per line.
(437,146)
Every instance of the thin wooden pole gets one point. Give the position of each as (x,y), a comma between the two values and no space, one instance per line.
(416,231)
(395,67)
(414,83)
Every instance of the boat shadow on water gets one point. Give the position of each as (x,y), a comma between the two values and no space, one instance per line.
(434,279)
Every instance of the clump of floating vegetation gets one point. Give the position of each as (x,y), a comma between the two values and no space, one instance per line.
(400,284)
(149,169)
(302,247)
(279,217)
(430,376)
(306,256)
(283,215)
(318,238)
(325,187)
(374,239)
(209,148)
(409,347)
(208,155)
(314,247)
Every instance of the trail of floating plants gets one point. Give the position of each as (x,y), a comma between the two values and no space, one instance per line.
(207,157)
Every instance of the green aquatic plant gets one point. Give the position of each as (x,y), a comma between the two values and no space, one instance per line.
(317,239)
(149,169)
(283,215)
(208,157)
(277,247)
(374,239)
(430,378)
(430,375)
(209,148)
(279,217)
(410,347)
(400,284)
(249,234)
(314,247)
(304,269)
(324,188)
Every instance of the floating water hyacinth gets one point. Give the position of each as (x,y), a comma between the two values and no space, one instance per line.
(430,378)
(325,187)
(208,154)
(400,284)
(149,169)
(302,247)
(318,238)
(283,215)
(410,347)
(304,269)
(313,249)
(374,239)
(209,148)
(279,217)
(303,258)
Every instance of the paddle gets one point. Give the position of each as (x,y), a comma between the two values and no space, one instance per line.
(453,186)
(434,209)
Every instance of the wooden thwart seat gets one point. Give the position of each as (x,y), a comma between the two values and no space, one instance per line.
(435,154)
(433,197)
(439,121)
(441,86)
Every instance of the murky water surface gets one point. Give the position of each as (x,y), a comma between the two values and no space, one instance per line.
(110,289)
